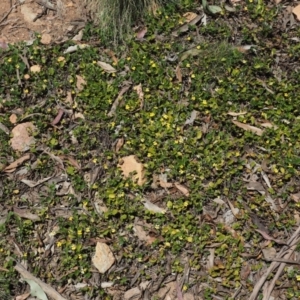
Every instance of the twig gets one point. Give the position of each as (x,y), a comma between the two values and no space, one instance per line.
(270,288)
(46,288)
(274,264)
(7,14)
(117,101)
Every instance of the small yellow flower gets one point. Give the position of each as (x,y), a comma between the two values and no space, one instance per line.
(128,58)
(73,247)
(193,76)
(133,68)
(187,65)
(71,218)
(152,114)
(9,60)
(88,229)
(79,232)
(79,256)
(59,244)
(298,277)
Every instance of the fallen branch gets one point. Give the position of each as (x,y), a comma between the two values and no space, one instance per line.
(46,288)
(46,4)
(287,253)
(7,14)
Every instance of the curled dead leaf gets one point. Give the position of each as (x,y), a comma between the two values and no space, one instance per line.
(247,127)
(80,83)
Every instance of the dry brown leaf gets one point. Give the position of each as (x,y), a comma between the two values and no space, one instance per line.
(119,144)
(13,118)
(142,234)
(189,16)
(58,117)
(23,296)
(182,189)
(17,163)
(268,125)
(296,197)
(112,55)
(35,69)
(130,165)
(152,207)
(236,114)
(296,12)
(22,136)
(26,214)
(60,59)
(165,184)
(80,83)
(118,99)
(32,183)
(235,211)
(72,161)
(69,98)
(78,115)
(106,67)
(139,91)
(46,39)
(247,127)
(178,74)
(103,258)
(140,35)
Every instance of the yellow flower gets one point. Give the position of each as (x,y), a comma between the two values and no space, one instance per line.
(59,244)
(73,247)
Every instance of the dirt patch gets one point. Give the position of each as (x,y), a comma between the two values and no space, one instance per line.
(61,19)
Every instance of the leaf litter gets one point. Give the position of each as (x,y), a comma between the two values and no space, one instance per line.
(261,189)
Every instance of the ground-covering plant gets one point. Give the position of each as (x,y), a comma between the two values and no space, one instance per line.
(188,128)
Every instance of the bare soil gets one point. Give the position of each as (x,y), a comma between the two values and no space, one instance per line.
(20,21)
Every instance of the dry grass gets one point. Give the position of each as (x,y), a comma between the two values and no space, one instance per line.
(115,17)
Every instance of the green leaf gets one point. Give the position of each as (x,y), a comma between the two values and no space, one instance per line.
(214,9)
(36,290)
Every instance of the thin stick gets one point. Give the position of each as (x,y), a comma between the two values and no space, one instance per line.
(7,14)
(272,267)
